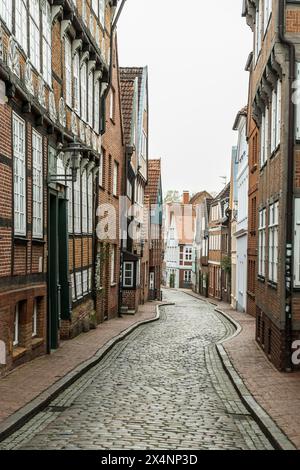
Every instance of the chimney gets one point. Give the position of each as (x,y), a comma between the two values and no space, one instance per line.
(186,197)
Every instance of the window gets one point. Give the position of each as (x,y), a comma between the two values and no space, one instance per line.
(70,205)
(188,277)
(214,213)
(84,202)
(144,145)
(97,107)
(273,242)
(35,319)
(276,117)
(37,185)
(77,205)
(90,274)
(76,82)
(258,30)
(19,175)
(262,243)
(113,265)
(47,39)
(21,23)
(83,75)
(78,277)
(188,254)
(68,70)
(297,244)
(264,138)
(112,105)
(34,33)
(115,179)
(73,287)
(90,203)
(6,12)
(91,98)
(85,282)
(267,13)
(16,325)
(102,12)
(128,274)
(254,150)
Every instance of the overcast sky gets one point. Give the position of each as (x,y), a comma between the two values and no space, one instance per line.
(196,52)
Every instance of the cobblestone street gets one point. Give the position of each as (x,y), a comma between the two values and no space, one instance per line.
(163,387)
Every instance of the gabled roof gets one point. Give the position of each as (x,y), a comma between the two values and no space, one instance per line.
(127,100)
(131,73)
(154,179)
(242,113)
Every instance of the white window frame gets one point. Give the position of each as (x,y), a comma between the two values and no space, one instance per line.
(34,34)
(273,242)
(262,243)
(128,280)
(16,325)
(77,204)
(21,25)
(68,70)
(83,88)
(37,185)
(85,282)
(90,203)
(47,42)
(34,333)
(113,265)
(102,12)
(115,179)
(19,149)
(84,202)
(267,13)
(76,83)
(264,138)
(6,12)
(276,117)
(78,280)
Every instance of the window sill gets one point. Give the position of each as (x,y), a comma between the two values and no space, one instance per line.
(21,240)
(274,153)
(113,284)
(36,342)
(261,279)
(272,285)
(37,241)
(18,352)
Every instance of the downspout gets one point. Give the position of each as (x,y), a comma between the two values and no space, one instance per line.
(290,187)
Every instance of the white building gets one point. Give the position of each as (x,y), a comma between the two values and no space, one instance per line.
(172,251)
(241,234)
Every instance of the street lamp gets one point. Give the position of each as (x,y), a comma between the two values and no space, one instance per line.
(72,158)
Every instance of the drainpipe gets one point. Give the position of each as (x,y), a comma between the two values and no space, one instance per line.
(290,186)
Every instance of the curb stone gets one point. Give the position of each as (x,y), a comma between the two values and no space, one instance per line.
(275,435)
(14,422)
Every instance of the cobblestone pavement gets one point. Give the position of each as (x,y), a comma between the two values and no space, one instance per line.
(161,388)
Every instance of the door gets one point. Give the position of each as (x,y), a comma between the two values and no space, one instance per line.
(58,278)
(53,273)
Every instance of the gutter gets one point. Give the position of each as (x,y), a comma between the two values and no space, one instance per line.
(290,187)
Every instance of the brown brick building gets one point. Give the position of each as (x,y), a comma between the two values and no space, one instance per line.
(54,77)
(273,131)
(219,250)
(154,193)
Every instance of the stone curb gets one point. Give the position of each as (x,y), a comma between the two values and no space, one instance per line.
(276,436)
(14,422)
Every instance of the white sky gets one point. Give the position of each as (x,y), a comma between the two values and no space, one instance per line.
(196,52)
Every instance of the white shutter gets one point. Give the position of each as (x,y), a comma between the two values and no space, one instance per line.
(297,244)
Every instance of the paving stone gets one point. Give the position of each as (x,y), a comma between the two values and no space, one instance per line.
(162,387)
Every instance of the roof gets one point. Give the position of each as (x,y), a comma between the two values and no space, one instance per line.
(241,113)
(131,73)
(127,99)
(200,196)
(224,194)
(154,179)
